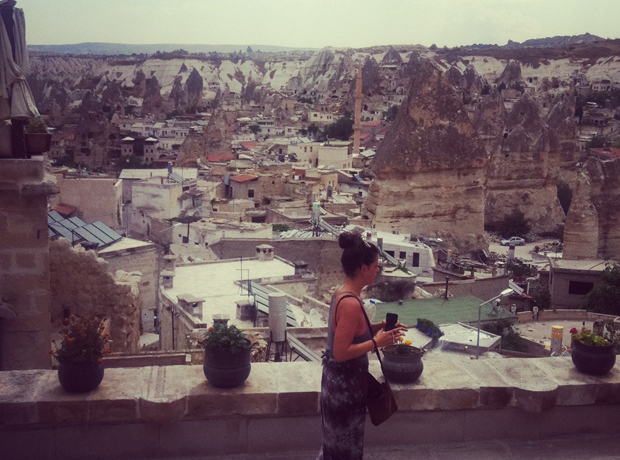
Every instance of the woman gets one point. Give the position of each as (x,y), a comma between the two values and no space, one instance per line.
(343,386)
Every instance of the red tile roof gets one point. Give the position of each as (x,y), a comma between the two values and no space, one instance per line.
(65,209)
(249,145)
(217,158)
(609,153)
(244,178)
(371,124)
(362,136)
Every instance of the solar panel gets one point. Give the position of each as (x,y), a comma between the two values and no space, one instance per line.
(55,216)
(107,230)
(60,230)
(76,230)
(105,239)
(175,177)
(77,221)
(88,236)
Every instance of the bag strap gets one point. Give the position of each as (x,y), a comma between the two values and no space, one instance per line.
(368,325)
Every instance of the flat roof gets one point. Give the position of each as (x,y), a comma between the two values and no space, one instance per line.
(215,282)
(186,173)
(125,243)
(460,309)
(597,265)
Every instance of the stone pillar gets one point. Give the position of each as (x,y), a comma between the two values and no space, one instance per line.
(24,263)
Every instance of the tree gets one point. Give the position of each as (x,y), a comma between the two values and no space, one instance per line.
(597,142)
(131,162)
(313,129)
(605,298)
(255,129)
(565,195)
(390,114)
(341,129)
(514,224)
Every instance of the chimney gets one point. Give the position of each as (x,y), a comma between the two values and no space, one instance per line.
(264,252)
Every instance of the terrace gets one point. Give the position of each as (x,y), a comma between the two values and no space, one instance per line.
(171,411)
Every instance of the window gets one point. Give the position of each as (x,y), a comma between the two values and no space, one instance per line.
(402,255)
(579,287)
(250,193)
(391,253)
(416,259)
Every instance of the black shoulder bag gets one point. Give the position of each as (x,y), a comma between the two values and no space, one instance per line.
(379,398)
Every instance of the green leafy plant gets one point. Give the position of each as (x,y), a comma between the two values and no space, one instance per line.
(36,125)
(84,340)
(280,227)
(223,337)
(605,298)
(403,347)
(587,337)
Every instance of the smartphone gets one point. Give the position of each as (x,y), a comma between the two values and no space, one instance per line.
(390,321)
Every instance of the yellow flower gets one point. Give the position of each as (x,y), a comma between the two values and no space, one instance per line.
(400,339)
(407,342)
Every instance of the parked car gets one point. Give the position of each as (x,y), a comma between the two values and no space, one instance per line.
(514,241)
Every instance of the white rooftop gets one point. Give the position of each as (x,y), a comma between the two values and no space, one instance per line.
(125,243)
(215,282)
(185,173)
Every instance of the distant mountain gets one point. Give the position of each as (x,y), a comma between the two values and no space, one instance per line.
(562,40)
(120,48)
(549,42)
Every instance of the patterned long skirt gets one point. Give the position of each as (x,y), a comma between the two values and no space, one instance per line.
(343,411)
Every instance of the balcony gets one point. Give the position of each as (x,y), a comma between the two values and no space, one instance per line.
(172,411)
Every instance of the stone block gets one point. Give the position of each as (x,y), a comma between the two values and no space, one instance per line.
(6,261)
(21,170)
(116,399)
(284,434)
(258,395)
(77,442)
(26,260)
(298,388)
(533,389)
(454,386)
(501,424)
(63,410)
(19,392)
(27,445)
(204,437)
(26,350)
(430,427)
(567,420)
(574,388)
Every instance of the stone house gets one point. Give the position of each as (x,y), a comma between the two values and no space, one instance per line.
(570,281)
(337,154)
(95,198)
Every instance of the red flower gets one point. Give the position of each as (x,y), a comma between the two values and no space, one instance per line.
(573,331)
(211,328)
(100,360)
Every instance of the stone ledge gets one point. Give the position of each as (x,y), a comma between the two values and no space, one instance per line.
(170,394)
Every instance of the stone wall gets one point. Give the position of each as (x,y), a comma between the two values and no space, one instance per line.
(82,282)
(141,259)
(165,411)
(96,199)
(24,264)
(322,255)
(593,223)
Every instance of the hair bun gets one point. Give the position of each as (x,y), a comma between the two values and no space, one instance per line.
(349,240)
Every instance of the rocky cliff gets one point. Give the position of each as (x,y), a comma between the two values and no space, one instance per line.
(430,167)
(593,223)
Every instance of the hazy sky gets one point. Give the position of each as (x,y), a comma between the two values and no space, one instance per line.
(314,23)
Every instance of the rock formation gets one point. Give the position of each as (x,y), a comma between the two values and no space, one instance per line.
(523,170)
(430,167)
(153,101)
(194,85)
(91,134)
(392,57)
(593,223)
(81,281)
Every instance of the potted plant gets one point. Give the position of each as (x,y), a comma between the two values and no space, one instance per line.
(591,353)
(402,362)
(227,356)
(80,353)
(38,140)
